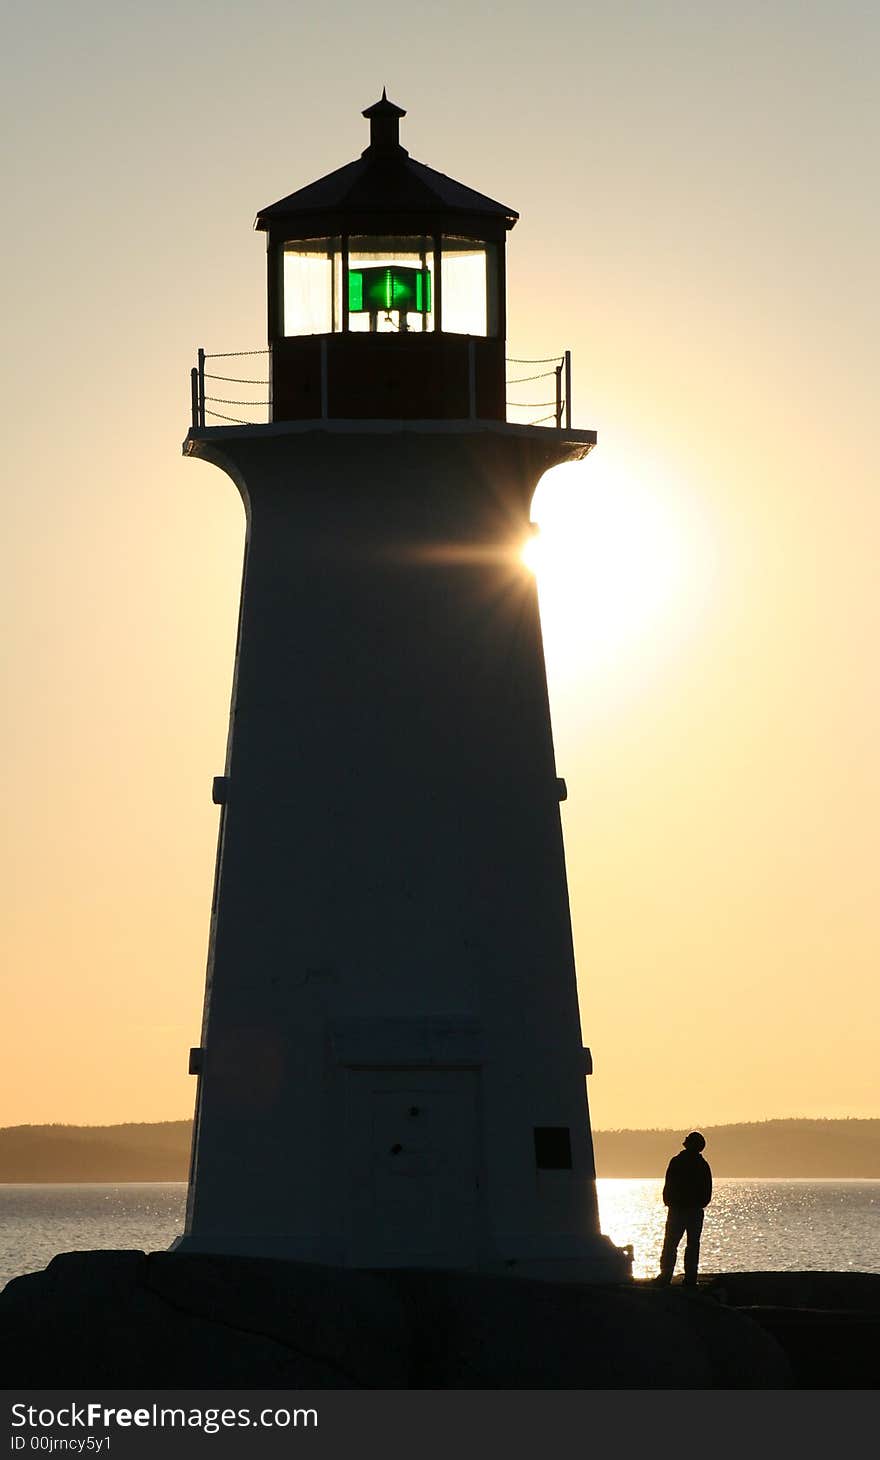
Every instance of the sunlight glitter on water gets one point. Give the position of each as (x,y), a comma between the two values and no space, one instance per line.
(754,1225)
(38,1221)
(751,1225)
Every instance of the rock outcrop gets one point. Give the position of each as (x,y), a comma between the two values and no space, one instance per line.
(179,1321)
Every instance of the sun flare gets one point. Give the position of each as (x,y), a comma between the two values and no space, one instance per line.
(531,554)
(621,562)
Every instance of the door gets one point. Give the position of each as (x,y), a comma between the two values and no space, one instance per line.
(414,1168)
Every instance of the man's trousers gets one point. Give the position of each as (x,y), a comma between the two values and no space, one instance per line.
(678,1221)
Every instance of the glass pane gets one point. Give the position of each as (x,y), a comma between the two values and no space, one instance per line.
(464,279)
(311,284)
(391,285)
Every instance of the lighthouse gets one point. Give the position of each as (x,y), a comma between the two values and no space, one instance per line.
(391,1070)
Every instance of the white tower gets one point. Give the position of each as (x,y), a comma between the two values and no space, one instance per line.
(391,1069)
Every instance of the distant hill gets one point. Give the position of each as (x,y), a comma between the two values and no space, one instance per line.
(160,1151)
(145,1152)
(817,1148)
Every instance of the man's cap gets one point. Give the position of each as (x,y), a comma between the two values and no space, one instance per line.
(694,1142)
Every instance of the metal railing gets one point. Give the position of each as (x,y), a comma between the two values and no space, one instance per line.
(560,372)
(204,403)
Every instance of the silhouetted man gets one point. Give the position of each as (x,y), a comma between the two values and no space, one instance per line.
(686,1192)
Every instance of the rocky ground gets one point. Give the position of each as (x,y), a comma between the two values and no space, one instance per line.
(166,1320)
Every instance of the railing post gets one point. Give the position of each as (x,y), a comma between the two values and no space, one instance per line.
(472,379)
(202,389)
(194,396)
(559,395)
(568,389)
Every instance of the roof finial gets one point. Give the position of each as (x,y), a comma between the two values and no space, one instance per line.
(384,118)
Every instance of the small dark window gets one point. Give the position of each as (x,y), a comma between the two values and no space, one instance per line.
(552,1148)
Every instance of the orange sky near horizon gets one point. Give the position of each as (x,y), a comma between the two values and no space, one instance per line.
(699,226)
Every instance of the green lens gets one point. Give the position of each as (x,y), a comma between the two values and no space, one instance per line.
(392,287)
(355,291)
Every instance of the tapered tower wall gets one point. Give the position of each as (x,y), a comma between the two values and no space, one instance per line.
(392,1010)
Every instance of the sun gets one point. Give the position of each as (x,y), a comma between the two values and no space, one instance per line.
(531,553)
(622,563)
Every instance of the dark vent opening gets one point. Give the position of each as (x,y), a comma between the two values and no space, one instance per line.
(552,1148)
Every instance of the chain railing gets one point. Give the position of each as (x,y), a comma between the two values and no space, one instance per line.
(560,373)
(204,383)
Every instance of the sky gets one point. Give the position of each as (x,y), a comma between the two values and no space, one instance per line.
(699,221)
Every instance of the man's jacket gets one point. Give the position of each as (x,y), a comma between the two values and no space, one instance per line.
(688,1181)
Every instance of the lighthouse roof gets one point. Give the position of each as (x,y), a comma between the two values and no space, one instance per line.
(388,188)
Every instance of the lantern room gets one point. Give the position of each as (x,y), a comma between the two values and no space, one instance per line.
(386,291)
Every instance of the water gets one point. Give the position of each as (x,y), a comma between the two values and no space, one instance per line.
(751,1226)
(38,1221)
(757,1225)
